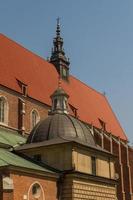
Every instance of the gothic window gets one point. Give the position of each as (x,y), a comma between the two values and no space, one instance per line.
(3,110)
(34,118)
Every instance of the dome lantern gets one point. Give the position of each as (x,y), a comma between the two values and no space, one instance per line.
(59,101)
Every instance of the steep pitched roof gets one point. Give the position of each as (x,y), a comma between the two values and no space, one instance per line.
(16,62)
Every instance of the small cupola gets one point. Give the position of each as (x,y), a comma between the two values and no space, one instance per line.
(58,58)
(59,101)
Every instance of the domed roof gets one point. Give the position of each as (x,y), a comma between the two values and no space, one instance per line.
(61,126)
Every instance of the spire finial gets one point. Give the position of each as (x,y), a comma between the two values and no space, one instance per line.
(58,21)
(58,27)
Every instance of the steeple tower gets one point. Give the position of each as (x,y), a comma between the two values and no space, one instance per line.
(58,58)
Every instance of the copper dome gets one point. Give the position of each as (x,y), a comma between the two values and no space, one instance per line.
(61,126)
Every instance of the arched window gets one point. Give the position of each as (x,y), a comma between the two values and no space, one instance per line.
(34,118)
(35,191)
(3,110)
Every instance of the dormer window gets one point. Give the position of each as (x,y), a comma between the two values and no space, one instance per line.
(74,110)
(24,90)
(23,87)
(103,124)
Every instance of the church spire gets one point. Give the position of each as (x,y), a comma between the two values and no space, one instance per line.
(58,57)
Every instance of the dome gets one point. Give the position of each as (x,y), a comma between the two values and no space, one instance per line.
(61,126)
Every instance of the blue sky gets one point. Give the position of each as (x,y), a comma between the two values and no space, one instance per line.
(98,39)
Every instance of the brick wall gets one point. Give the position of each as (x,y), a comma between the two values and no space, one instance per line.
(123,165)
(14,117)
(7,195)
(23,187)
(29,106)
(13,108)
(124,169)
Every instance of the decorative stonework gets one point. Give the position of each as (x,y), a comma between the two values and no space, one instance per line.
(93,191)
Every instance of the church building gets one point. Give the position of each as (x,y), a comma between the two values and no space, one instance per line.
(59,138)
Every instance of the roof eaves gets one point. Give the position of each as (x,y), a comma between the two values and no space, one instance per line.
(29,171)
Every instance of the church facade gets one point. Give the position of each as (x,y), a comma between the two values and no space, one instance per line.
(69,146)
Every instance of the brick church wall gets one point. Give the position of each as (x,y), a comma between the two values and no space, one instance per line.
(14,118)
(123,164)
(23,187)
(29,106)
(13,108)
(115,146)
(124,169)
(7,195)
(130,150)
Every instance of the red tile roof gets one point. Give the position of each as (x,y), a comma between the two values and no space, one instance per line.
(16,62)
